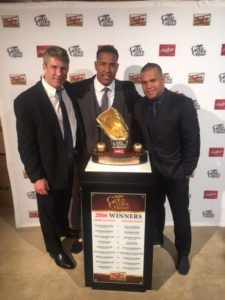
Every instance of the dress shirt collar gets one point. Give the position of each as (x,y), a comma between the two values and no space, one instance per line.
(99,87)
(51,91)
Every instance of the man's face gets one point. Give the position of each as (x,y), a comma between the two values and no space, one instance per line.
(106,67)
(55,72)
(152,83)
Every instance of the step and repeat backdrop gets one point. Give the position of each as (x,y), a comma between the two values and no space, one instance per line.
(185,37)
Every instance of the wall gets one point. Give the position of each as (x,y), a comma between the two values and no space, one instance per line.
(184,37)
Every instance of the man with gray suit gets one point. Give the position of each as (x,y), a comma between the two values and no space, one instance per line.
(121,95)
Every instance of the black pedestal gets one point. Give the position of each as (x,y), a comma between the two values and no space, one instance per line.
(117,229)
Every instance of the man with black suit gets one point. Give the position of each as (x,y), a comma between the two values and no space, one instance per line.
(121,95)
(49,130)
(170,129)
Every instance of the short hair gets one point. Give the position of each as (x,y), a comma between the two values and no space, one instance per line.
(149,66)
(57,52)
(109,49)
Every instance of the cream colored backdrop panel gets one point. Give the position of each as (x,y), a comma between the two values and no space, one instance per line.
(194,64)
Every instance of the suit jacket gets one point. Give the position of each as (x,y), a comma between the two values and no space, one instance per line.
(40,140)
(174,144)
(125,97)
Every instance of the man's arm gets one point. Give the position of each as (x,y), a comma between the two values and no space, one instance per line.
(190,135)
(27,140)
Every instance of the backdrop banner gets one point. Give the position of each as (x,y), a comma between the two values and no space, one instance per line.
(185,37)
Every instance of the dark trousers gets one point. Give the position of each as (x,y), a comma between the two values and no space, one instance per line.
(177,192)
(53,214)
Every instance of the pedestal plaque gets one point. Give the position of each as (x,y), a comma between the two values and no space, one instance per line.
(117,230)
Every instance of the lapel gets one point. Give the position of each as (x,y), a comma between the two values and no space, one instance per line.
(118,98)
(48,111)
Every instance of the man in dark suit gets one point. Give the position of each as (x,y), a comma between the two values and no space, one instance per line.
(89,92)
(170,128)
(47,148)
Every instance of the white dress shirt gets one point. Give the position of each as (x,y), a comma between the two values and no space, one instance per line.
(51,92)
(99,91)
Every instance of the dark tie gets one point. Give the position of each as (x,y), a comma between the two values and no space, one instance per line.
(105,100)
(152,112)
(68,139)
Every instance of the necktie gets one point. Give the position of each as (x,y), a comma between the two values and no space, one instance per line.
(105,100)
(68,139)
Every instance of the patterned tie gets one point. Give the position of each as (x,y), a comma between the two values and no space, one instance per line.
(68,139)
(105,100)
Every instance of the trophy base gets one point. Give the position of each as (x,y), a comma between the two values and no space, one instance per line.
(110,158)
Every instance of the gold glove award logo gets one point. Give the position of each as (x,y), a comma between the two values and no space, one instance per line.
(114,126)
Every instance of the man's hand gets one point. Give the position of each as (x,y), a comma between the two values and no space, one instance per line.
(41,186)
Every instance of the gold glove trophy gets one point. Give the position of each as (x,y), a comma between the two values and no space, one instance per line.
(114,126)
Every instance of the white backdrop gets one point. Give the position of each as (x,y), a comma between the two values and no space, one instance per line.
(186,38)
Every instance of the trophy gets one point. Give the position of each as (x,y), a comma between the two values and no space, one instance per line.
(114,126)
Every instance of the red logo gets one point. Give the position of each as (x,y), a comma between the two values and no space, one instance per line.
(118,151)
(167,50)
(216,152)
(210,194)
(33,214)
(196,77)
(223,49)
(134,77)
(219,104)
(138,20)
(10,21)
(74,20)
(76,77)
(201,19)
(18,79)
(41,50)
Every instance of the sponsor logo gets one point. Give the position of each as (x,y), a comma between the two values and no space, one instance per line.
(210,194)
(10,21)
(117,202)
(167,78)
(196,77)
(76,77)
(222,77)
(14,51)
(201,19)
(208,214)
(118,276)
(216,152)
(75,51)
(198,50)
(213,173)
(33,214)
(134,77)
(136,50)
(219,104)
(105,20)
(168,20)
(42,21)
(219,128)
(167,50)
(138,19)
(41,50)
(223,49)
(31,195)
(74,20)
(18,79)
